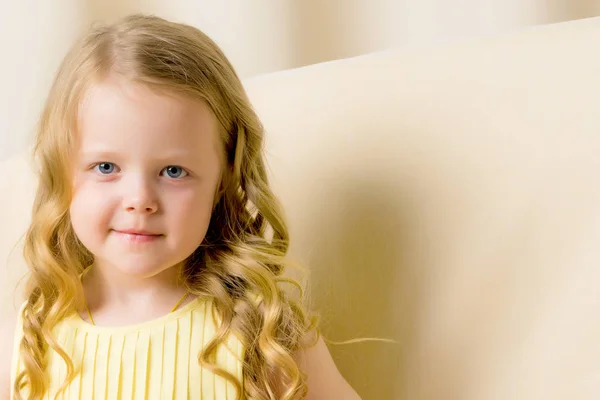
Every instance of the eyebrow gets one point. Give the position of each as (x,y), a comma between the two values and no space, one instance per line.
(186,154)
(98,154)
(164,157)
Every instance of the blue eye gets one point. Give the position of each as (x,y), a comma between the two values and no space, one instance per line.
(105,168)
(174,172)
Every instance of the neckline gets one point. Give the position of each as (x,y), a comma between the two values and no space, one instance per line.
(78,322)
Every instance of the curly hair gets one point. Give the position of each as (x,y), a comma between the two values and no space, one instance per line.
(241,261)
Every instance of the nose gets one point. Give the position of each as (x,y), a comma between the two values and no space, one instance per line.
(140,198)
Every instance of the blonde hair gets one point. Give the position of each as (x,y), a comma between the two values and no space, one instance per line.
(240,263)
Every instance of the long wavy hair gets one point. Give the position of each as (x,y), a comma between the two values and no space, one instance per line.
(239,265)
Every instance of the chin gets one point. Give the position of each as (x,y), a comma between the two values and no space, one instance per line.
(142,267)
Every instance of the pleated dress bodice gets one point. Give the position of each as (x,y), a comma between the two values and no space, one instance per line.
(152,360)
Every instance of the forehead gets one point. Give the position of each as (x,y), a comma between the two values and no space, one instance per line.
(122,116)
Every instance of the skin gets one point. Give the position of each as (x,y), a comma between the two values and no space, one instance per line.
(147,161)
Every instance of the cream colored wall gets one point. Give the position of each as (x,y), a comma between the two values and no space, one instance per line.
(33,37)
(259,37)
(450,203)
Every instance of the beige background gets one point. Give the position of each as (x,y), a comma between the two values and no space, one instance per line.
(450,199)
(259,36)
(447,198)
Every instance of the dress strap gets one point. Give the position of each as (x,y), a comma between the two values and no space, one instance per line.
(180,301)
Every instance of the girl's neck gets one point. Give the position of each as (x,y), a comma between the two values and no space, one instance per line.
(115,298)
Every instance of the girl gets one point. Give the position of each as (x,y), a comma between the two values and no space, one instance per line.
(156,247)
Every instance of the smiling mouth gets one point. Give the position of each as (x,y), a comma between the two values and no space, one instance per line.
(137,233)
(138,237)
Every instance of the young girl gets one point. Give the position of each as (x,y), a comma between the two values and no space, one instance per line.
(156,248)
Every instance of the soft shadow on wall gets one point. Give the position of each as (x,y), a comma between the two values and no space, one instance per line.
(559,10)
(328,30)
(363,281)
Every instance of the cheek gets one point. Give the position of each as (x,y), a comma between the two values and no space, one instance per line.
(89,212)
(191,214)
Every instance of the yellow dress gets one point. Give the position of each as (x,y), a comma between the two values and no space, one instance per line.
(152,360)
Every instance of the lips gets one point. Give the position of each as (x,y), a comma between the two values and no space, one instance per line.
(137,237)
(136,232)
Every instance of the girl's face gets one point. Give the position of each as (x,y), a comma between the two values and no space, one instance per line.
(147,169)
